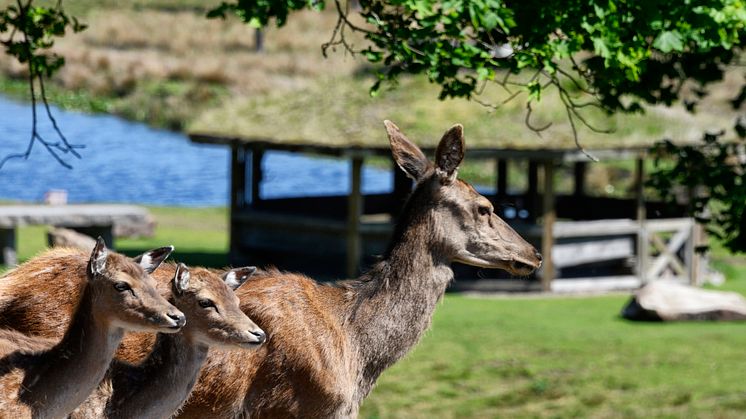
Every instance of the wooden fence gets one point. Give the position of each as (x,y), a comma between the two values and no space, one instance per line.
(655,249)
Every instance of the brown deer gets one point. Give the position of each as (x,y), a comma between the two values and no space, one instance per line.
(118,295)
(157,387)
(328,343)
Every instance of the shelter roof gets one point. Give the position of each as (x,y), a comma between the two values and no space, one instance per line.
(340,117)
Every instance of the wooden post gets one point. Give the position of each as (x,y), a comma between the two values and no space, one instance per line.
(642,235)
(8,244)
(354,212)
(533,190)
(579,178)
(502,178)
(238,198)
(256,176)
(402,189)
(549,217)
(694,267)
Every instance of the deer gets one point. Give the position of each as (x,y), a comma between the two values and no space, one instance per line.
(329,342)
(158,386)
(117,295)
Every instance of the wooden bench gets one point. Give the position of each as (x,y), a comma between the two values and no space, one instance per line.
(93,220)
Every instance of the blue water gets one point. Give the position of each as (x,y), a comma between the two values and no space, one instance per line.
(130,162)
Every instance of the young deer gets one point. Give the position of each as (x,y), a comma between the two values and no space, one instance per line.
(329,343)
(157,387)
(117,296)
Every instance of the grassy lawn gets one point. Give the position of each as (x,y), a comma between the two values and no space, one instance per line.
(563,357)
(524,356)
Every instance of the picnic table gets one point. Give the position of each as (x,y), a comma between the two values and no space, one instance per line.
(90,219)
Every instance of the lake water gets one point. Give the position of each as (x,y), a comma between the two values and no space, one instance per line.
(130,162)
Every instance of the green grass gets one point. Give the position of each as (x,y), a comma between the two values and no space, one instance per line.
(563,357)
(79,100)
(532,356)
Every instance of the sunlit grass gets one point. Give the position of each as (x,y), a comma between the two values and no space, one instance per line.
(522,356)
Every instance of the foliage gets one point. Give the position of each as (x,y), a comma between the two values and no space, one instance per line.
(615,55)
(37,28)
(31,31)
(712,178)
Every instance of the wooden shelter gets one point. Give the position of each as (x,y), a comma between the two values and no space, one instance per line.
(588,242)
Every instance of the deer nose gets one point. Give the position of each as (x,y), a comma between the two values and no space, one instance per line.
(259,335)
(538,255)
(178,318)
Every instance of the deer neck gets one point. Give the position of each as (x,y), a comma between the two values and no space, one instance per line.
(162,383)
(70,371)
(395,301)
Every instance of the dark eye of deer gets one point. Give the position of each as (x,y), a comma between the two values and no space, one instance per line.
(122,286)
(484,210)
(206,303)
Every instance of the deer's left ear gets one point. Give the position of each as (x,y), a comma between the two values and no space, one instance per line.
(237,276)
(450,152)
(97,261)
(152,259)
(181,279)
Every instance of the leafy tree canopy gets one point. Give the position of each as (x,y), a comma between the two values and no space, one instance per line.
(621,54)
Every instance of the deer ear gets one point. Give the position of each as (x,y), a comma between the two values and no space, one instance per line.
(237,276)
(181,279)
(450,151)
(407,155)
(152,259)
(97,262)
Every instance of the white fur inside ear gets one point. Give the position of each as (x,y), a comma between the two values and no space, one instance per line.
(181,279)
(146,261)
(445,177)
(99,261)
(236,277)
(233,280)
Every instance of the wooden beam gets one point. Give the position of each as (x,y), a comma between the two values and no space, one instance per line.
(694,262)
(549,217)
(238,196)
(354,211)
(402,189)
(534,206)
(8,246)
(579,169)
(642,235)
(502,178)
(256,176)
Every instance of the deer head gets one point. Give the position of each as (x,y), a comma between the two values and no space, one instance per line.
(461,221)
(128,294)
(212,307)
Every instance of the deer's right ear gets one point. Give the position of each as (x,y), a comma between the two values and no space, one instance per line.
(181,279)
(97,262)
(237,276)
(407,155)
(152,259)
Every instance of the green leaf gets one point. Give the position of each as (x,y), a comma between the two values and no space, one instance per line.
(669,41)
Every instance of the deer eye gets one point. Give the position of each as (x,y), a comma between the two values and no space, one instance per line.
(205,303)
(484,210)
(122,286)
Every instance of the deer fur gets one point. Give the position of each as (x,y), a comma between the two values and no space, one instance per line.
(157,387)
(328,343)
(118,295)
